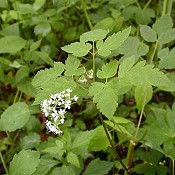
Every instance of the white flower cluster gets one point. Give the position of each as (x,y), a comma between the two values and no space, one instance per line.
(55,108)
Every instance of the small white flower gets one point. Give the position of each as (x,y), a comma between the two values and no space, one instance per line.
(62,111)
(51,127)
(69,90)
(75,98)
(90,74)
(62,121)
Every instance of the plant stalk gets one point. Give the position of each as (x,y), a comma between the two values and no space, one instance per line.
(173,170)
(111,143)
(154,52)
(167,7)
(93,59)
(86,15)
(3,163)
(133,142)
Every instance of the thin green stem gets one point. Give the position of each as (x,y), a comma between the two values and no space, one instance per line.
(133,142)
(147,4)
(3,163)
(167,7)
(173,170)
(93,59)
(16,96)
(154,52)
(86,15)
(138,4)
(111,143)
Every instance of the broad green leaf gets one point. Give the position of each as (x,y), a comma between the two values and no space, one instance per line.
(125,66)
(45,57)
(11,44)
(42,29)
(5,61)
(78,49)
(35,45)
(14,117)
(133,47)
(44,76)
(3,3)
(38,4)
(25,162)
(106,24)
(106,98)
(167,36)
(167,58)
(64,169)
(80,144)
(143,95)
(163,24)
(99,136)
(72,66)
(98,167)
(112,42)
(22,72)
(108,70)
(30,141)
(148,33)
(25,9)
(73,159)
(45,165)
(141,74)
(94,35)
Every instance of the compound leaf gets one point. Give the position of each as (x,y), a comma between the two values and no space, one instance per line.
(106,98)
(108,70)
(93,35)
(78,49)
(112,42)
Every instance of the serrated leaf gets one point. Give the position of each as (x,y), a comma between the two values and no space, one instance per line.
(108,70)
(44,76)
(167,36)
(78,49)
(141,74)
(72,66)
(107,103)
(94,35)
(143,95)
(14,43)
(112,42)
(163,53)
(73,159)
(163,24)
(14,117)
(98,167)
(21,161)
(148,33)
(133,47)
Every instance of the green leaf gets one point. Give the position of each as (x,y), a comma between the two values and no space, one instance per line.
(14,117)
(30,141)
(45,57)
(167,58)
(141,74)
(35,45)
(3,4)
(167,36)
(106,98)
(78,49)
(133,47)
(44,76)
(42,29)
(143,95)
(99,136)
(72,66)
(112,42)
(163,24)
(108,70)
(73,159)
(67,170)
(22,72)
(94,35)
(148,33)
(38,4)
(45,165)
(25,162)
(98,167)
(11,44)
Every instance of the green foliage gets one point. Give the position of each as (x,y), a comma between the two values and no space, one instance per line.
(21,167)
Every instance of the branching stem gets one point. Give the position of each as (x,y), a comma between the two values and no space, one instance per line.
(111,143)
